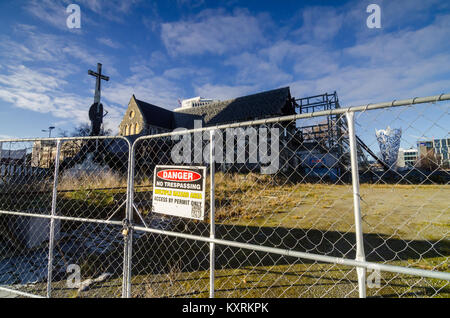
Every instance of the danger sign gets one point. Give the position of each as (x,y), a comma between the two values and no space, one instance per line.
(179,191)
(179,175)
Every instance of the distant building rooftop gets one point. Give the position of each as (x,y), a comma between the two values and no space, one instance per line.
(195,102)
(13,154)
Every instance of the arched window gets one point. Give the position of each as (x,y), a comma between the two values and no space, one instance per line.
(127,130)
(131,129)
(136,129)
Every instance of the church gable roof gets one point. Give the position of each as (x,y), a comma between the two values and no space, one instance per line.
(155,115)
(261,105)
(163,118)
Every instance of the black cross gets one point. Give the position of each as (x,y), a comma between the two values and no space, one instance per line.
(99,77)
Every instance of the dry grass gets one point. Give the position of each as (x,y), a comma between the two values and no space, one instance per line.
(402,211)
(255,205)
(99,180)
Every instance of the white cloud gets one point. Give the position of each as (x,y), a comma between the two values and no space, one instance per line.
(224,92)
(109,42)
(28,44)
(386,66)
(100,6)
(401,60)
(52,12)
(320,24)
(252,69)
(369,84)
(37,72)
(40,92)
(405,46)
(190,3)
(193,73)
(402,12)
(159,88)
(213,32)
(304,59)
(155,90)
(113,10)
(147,85)
(22,76)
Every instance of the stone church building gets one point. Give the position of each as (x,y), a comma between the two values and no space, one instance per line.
(142,118)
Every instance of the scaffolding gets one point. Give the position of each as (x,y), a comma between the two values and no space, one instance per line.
(330,135)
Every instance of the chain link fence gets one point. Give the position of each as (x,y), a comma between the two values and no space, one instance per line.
(62,205)
(310,205)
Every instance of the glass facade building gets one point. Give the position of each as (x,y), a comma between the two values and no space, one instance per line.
(439,147)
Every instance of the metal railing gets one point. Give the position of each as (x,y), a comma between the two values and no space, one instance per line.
(286,217)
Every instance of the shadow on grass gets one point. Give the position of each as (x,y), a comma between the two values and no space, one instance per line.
(185,261)
(154,253)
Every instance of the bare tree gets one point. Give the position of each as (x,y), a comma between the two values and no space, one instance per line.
(63,133)
(71,147)
(429,161)
(84,130)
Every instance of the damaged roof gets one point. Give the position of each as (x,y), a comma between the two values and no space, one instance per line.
(261,105)
(161,117)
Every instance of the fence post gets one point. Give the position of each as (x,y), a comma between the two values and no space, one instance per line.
(125,248)
(360,256)
(212,232)
(52,222)
(128,238)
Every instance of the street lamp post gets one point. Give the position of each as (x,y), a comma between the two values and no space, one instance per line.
(49,130)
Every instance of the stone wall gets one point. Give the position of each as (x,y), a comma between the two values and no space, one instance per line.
(133,121)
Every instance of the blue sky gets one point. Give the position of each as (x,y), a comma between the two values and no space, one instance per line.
(162,51)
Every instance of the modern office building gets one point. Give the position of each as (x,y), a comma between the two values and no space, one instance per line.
(439,147)
(407,157)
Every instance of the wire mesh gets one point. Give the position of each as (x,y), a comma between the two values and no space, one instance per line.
(405,209)
(280,187)
(89,185)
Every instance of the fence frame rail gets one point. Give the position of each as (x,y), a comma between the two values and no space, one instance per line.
(359,262)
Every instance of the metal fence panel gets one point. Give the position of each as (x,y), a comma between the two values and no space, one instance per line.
(323,204)
(405,210)
(61,216)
